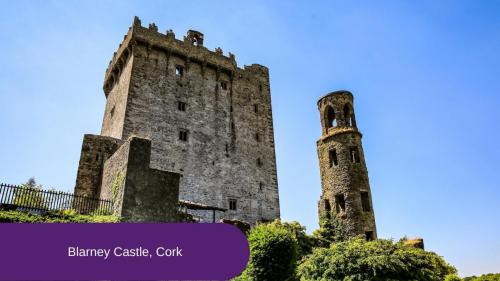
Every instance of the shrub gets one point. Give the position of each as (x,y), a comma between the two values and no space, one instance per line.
(30,195)
(305,242)
(330,230)
(452,277)
(53,217)
(359,260)
(484,277)
(273,253)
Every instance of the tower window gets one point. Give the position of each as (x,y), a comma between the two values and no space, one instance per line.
(349,116)
(333,157)
(365,201)
(179,70)
(256,108)
(328,209)
(257,137)
(183,135)
(260,89)
(340,203)
(261,186)
(181,106)
(223,85)
(369,235)
(259,162)
(112,112)
(232,204)
(331,122)
(354,154)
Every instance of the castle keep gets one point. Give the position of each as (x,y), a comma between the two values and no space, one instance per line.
(208,122)
(344,178)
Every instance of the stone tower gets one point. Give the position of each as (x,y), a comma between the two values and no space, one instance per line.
(208,120)
(344,177)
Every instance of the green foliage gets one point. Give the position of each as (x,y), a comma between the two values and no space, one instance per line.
(30,195)
(330,230)
(68,216)
(273,253)
(117,185)
(305,242)
(485,277)
(379,260)
(452,277)
(100,211)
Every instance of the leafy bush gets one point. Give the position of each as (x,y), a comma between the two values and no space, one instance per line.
(485,277)
(305,243)
(53,217)
(273,253)
(30,194)
(452,277)
(330,230)
(384,260)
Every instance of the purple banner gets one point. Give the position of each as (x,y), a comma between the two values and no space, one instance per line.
(133,251)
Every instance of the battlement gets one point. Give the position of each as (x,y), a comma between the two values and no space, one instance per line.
(190,48)
(257,68)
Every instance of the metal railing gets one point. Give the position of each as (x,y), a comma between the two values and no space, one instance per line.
(38,200)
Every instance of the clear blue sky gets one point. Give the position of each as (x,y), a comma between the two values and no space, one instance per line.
(425,76)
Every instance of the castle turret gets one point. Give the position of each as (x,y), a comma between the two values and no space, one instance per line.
(344,177)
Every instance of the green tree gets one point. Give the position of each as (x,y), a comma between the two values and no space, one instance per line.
(331,229)
(304,241)
(273,253)
(379,260)
(30,195)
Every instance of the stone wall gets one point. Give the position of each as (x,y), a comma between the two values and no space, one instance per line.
(114,113)
(140,194)
(229,152)
(95,151)
(344,177)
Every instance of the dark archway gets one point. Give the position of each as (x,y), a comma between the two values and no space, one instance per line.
(349,119)
(330,121)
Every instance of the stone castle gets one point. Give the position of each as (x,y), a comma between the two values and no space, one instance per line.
(178,113)
(344,178)
(186,123)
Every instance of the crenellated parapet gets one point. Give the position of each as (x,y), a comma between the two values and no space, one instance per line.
(190,49)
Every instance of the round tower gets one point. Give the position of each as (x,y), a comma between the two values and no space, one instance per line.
(344,177)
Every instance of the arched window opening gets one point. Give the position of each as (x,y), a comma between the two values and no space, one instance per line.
(195,41)
(331,122)
(349,116)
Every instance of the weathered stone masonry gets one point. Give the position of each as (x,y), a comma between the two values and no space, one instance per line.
(344,178)
(139,193)
(207,119)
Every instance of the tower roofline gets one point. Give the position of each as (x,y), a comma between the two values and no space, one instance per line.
(150,37)
(339,92)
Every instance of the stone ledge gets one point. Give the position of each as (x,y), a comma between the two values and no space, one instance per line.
(337,131)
